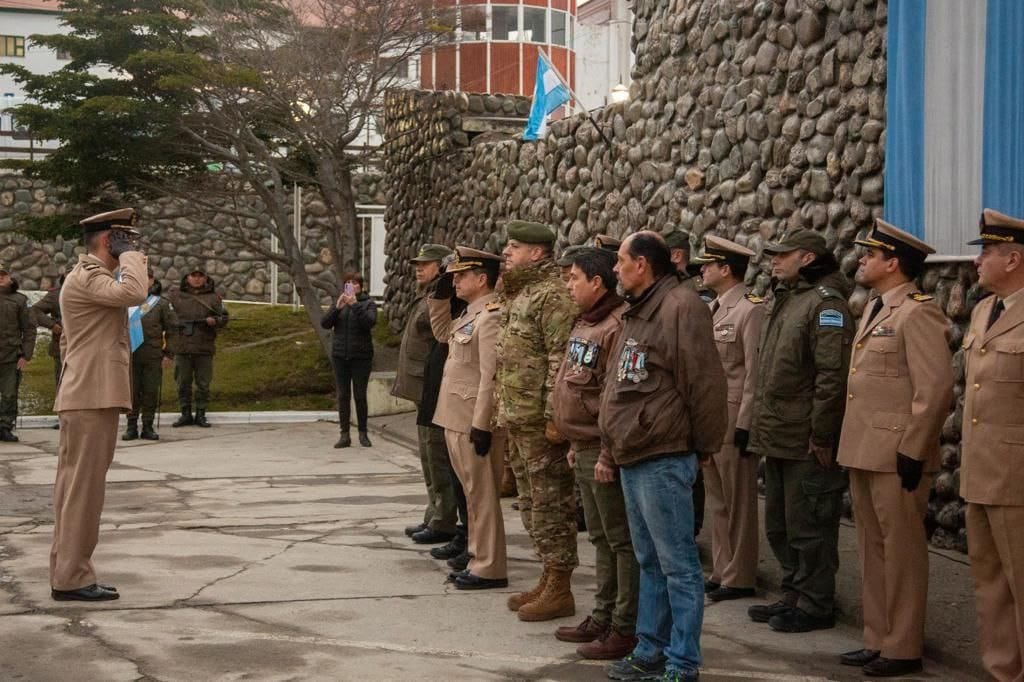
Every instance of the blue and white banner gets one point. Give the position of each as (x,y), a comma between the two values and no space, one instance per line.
(549,93)
(955,117)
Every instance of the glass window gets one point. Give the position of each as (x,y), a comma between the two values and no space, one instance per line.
(444,23)
(12,46)
(505,23)
(558,28)
(572,33)
(535,25)
(474,23)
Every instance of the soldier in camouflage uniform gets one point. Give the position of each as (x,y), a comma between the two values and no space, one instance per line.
(537,316)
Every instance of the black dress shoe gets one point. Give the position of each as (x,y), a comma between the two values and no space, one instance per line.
(453,549)
(452,576)
(710,586)
(884,667)
(460,562)
(7,437)
(798,620)
(469,581)
(429,536)
(90,593)
(724,593)
(860,657)
(762,613)
(412,530)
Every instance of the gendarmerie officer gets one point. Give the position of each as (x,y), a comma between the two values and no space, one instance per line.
(899,391)
(465,408)
(94,389)
(730,476)
(150,359)
(991,471)
(17,342)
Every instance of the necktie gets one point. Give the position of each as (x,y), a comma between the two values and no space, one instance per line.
(714,308)
(874,311)
(997,310)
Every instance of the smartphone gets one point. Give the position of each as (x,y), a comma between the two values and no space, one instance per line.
(349,289)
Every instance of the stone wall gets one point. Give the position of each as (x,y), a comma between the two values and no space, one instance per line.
(174,240)
(745,118)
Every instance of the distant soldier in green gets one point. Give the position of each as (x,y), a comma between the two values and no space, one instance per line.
(798,410)
(537,316)
(150,359)
(201,314)
(46,314)
(17,341)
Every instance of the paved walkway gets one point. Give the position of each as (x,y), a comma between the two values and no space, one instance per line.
(258,552)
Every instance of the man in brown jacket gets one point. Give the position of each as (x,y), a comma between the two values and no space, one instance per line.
(609,631)
(440,516)
(991,473)
(731,475)
(900,390)
(663,407)
(94,389)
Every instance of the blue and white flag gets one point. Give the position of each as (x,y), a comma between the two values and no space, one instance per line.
(549,93)
(954,141)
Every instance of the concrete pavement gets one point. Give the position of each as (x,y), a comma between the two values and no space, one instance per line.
(258,552)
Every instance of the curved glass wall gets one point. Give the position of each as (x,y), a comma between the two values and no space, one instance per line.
(512,23)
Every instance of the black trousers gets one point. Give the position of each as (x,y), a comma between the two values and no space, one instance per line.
(352,376)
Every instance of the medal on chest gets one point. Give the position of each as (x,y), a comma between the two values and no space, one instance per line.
(583,353)
(632,362)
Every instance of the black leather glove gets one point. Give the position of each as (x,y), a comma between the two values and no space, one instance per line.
(910,471)
(445,287)
(481,441)
(741,438)
(121,242)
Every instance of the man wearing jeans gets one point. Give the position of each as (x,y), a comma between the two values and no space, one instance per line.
(663,407)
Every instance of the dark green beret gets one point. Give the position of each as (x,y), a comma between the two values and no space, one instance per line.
(530,233)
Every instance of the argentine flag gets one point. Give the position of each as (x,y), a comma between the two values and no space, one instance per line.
(955,117)
(548,94)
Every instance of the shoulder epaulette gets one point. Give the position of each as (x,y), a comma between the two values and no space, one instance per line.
(90,266)
(919,297)
(825,292)
(754,298)
(492,306)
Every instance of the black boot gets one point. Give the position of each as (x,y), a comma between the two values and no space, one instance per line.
(344,440)
(364,439)
(147,430)
(7,437)
(454,548)
(185,419)
(201,419)
(132,432)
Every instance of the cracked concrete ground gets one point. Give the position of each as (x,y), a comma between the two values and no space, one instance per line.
(261,553)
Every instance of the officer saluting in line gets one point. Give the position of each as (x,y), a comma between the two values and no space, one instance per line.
(899,392)
(94,389)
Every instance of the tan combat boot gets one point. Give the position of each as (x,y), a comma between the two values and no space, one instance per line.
(516,601)
(555,601)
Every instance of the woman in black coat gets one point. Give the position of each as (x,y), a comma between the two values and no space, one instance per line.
(352,318)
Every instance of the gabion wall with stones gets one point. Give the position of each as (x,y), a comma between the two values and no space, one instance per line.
(173,242)
(746,118)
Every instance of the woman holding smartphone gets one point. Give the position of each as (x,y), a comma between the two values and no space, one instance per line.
(352,318)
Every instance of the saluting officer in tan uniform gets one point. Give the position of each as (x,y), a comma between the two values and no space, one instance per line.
(465,408)
(992,459)
(900,390)
(731,474)
(94,389)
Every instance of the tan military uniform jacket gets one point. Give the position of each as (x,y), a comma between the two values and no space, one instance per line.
(900,386)
(737,323)
(993,430)
(466,399)
(94,345)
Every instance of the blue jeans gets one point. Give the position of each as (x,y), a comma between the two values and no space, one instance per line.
(659,503)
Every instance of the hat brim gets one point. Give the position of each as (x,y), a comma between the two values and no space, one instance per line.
(425,259)
(773,249)
(981,241)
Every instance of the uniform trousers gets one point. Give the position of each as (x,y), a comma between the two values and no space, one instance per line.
(189,367)
(615,565)
(802,506)
(893,561)
(547,496)
(441,513)
(10,380)
(996,549)
(85,451)
(147,380)
(481,479)
(731,483)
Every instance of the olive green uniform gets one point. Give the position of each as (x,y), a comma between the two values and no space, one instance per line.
(800,398)
(17,340)
(195,342)
(159,322)
(46,313)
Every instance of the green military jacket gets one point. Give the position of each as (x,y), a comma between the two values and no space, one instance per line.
(159,323)
(537,316)
(804,359)
(17,332)
(46,313)
(193,335)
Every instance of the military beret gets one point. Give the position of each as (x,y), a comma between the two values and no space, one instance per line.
(467,258)
(809,240)
(565,260)
(998,227)
(678,239)
(530,233)
(123,218)
(430,253)
(890,238)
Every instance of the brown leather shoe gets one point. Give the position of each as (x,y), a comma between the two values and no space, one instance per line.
(613,645)
(587,631)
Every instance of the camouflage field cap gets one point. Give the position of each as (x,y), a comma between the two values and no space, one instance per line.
(529,232)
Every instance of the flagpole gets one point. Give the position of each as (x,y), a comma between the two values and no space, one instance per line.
(573,94)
